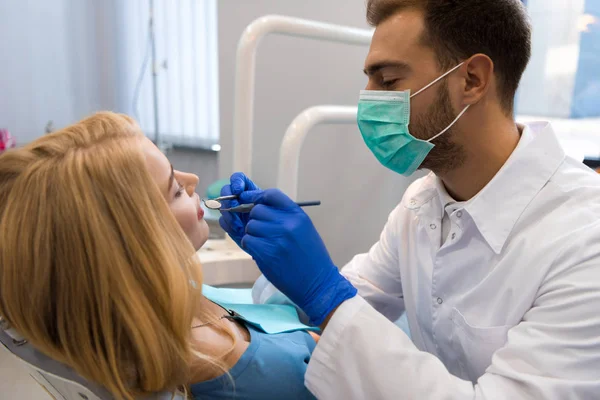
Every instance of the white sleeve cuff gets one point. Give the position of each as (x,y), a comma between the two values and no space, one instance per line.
(362,355)
(262,290)
(321,358)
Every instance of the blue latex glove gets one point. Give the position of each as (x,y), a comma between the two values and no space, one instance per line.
(235,223)
(290,253)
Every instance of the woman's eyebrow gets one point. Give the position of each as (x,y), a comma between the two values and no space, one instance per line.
(171,179)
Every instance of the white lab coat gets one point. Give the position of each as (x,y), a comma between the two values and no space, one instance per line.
(507,308)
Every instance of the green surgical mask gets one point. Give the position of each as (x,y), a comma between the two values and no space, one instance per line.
(383,119)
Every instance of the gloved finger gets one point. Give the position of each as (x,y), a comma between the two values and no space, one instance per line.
(249,196)
(231,225)
(227,221)
(224,225)
(251,244)
(270,197)
(264,213)
(241,183)
(226,191)
(232,219)
(262,229)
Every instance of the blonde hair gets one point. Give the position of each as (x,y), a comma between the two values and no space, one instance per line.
(94,270)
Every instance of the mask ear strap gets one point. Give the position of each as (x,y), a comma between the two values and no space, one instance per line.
(450,126)
(438,79)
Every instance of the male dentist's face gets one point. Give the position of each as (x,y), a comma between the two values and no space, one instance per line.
(400,59)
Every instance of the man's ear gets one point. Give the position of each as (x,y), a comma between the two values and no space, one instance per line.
(478,74)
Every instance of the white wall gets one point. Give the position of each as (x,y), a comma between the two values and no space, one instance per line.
(62,60)
(65,59)
(548,84)
(293,74)
(58,63)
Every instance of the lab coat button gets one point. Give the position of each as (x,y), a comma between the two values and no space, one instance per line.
(439,300)
(432,226)
(459,214)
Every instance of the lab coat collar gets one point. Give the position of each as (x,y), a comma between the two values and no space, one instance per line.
(497,208)
(422,190)
(445,198)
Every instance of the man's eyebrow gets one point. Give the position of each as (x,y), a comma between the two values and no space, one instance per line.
(374,68)
(171,179)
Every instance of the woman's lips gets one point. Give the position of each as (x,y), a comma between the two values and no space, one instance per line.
(200,213)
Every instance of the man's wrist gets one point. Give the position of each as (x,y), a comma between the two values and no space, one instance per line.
(329,300)
(329,316)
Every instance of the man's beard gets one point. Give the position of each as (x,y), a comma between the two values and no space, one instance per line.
(446,155)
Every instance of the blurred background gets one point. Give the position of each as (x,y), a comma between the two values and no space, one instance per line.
(61,60)
(65,59)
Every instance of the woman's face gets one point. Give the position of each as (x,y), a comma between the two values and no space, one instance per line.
(179,190)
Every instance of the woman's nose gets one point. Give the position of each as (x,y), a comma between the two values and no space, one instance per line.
(192,183)
(189,181)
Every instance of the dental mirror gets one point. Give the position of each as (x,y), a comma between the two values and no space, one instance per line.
(212,204)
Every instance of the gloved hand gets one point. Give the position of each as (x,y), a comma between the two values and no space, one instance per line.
(290,253)
(235,223)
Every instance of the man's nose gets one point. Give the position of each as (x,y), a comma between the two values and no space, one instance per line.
(371,85)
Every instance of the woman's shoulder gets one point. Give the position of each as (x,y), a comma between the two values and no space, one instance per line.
(271,368)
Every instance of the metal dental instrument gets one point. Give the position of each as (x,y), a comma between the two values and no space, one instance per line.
(215,204)
(230,197)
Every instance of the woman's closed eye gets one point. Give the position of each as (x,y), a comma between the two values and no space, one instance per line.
(180,190)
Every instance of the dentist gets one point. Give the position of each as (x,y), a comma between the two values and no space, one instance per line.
(494,256)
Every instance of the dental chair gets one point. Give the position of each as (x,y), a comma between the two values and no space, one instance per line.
(59,381)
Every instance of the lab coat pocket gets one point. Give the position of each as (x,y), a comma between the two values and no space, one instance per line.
(475,345)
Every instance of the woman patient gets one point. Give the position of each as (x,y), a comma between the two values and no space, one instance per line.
(98,237)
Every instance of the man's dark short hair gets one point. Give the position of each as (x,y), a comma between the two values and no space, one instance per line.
(459,29)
